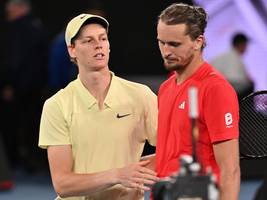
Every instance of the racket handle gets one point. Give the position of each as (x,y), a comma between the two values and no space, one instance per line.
(193,102)
(193,114)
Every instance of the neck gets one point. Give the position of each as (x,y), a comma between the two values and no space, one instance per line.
(190,69)
(97,83)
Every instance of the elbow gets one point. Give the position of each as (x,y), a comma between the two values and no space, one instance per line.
(61,189)
(235,172)
(231,174)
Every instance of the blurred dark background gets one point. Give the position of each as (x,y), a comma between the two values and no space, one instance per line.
(132,35)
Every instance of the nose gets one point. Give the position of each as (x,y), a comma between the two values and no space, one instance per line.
(165,50)
(98,44)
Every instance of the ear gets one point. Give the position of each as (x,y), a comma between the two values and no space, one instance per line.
(199,42)
(71,50)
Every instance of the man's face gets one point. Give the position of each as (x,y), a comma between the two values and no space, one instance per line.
(177,49)
(91,48)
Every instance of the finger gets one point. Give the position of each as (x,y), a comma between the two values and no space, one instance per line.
(150,177)
(145,181)
(140,186)
(145,170)
(144,162)
(144,187)
(134,185)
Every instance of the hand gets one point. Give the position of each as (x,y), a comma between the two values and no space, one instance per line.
(137,176)
(152,158)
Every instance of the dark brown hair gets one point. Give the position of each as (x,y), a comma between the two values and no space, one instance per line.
(194,17)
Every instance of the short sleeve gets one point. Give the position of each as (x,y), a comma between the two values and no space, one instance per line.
(151,116)
(53,126)
(221,112)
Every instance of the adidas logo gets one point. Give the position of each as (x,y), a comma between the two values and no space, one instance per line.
(182,105)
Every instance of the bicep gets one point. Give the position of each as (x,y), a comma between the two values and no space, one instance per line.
(227,153)
(60,161)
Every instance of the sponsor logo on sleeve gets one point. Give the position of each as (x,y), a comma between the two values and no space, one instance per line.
(228,120)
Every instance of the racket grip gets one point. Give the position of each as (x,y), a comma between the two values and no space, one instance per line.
(193,102)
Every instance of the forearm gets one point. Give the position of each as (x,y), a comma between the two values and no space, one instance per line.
(68,183)
(71,184)
(230,184)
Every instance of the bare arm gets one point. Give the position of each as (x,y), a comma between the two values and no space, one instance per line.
(67,183)
(227,157)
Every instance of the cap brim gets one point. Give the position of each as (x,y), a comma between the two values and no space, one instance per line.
(76,23)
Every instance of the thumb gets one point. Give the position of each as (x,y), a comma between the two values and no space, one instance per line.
(144,162)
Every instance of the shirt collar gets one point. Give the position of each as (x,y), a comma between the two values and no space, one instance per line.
(90,100)
(85,95)
(112,94)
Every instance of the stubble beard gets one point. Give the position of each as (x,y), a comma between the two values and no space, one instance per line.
(179,65)
(173,67)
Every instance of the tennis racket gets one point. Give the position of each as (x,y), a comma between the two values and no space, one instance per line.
(253,126)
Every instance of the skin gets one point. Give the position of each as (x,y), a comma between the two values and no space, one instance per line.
(184,56)
(179,52)
(91,52)
(241,48)
(152,161)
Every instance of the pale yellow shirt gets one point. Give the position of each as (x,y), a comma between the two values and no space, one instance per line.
(101,139)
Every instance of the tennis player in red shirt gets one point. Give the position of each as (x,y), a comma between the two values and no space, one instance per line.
(180,34)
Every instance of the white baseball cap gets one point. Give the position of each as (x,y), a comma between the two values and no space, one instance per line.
(76,23)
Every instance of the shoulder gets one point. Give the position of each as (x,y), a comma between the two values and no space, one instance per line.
(211,79)
(215,85)
(62,97)
(210,75)
(216,80)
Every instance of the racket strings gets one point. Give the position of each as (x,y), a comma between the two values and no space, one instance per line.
(253,126)
(256,124)
(255,140)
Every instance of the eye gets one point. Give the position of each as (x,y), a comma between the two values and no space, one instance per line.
(174,44)
(103,38)
(85,41)
(161,42)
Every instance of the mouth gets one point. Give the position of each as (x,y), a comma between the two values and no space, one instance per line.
(170,60)
(99,56)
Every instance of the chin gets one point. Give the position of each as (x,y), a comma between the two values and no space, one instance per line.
(172,67)
(101,64)
(98,67)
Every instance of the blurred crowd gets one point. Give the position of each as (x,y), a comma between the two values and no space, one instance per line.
(32,68)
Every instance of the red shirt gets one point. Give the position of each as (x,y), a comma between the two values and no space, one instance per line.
(217,121)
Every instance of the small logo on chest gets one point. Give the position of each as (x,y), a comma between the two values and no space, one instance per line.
(182,105)
(121,116)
